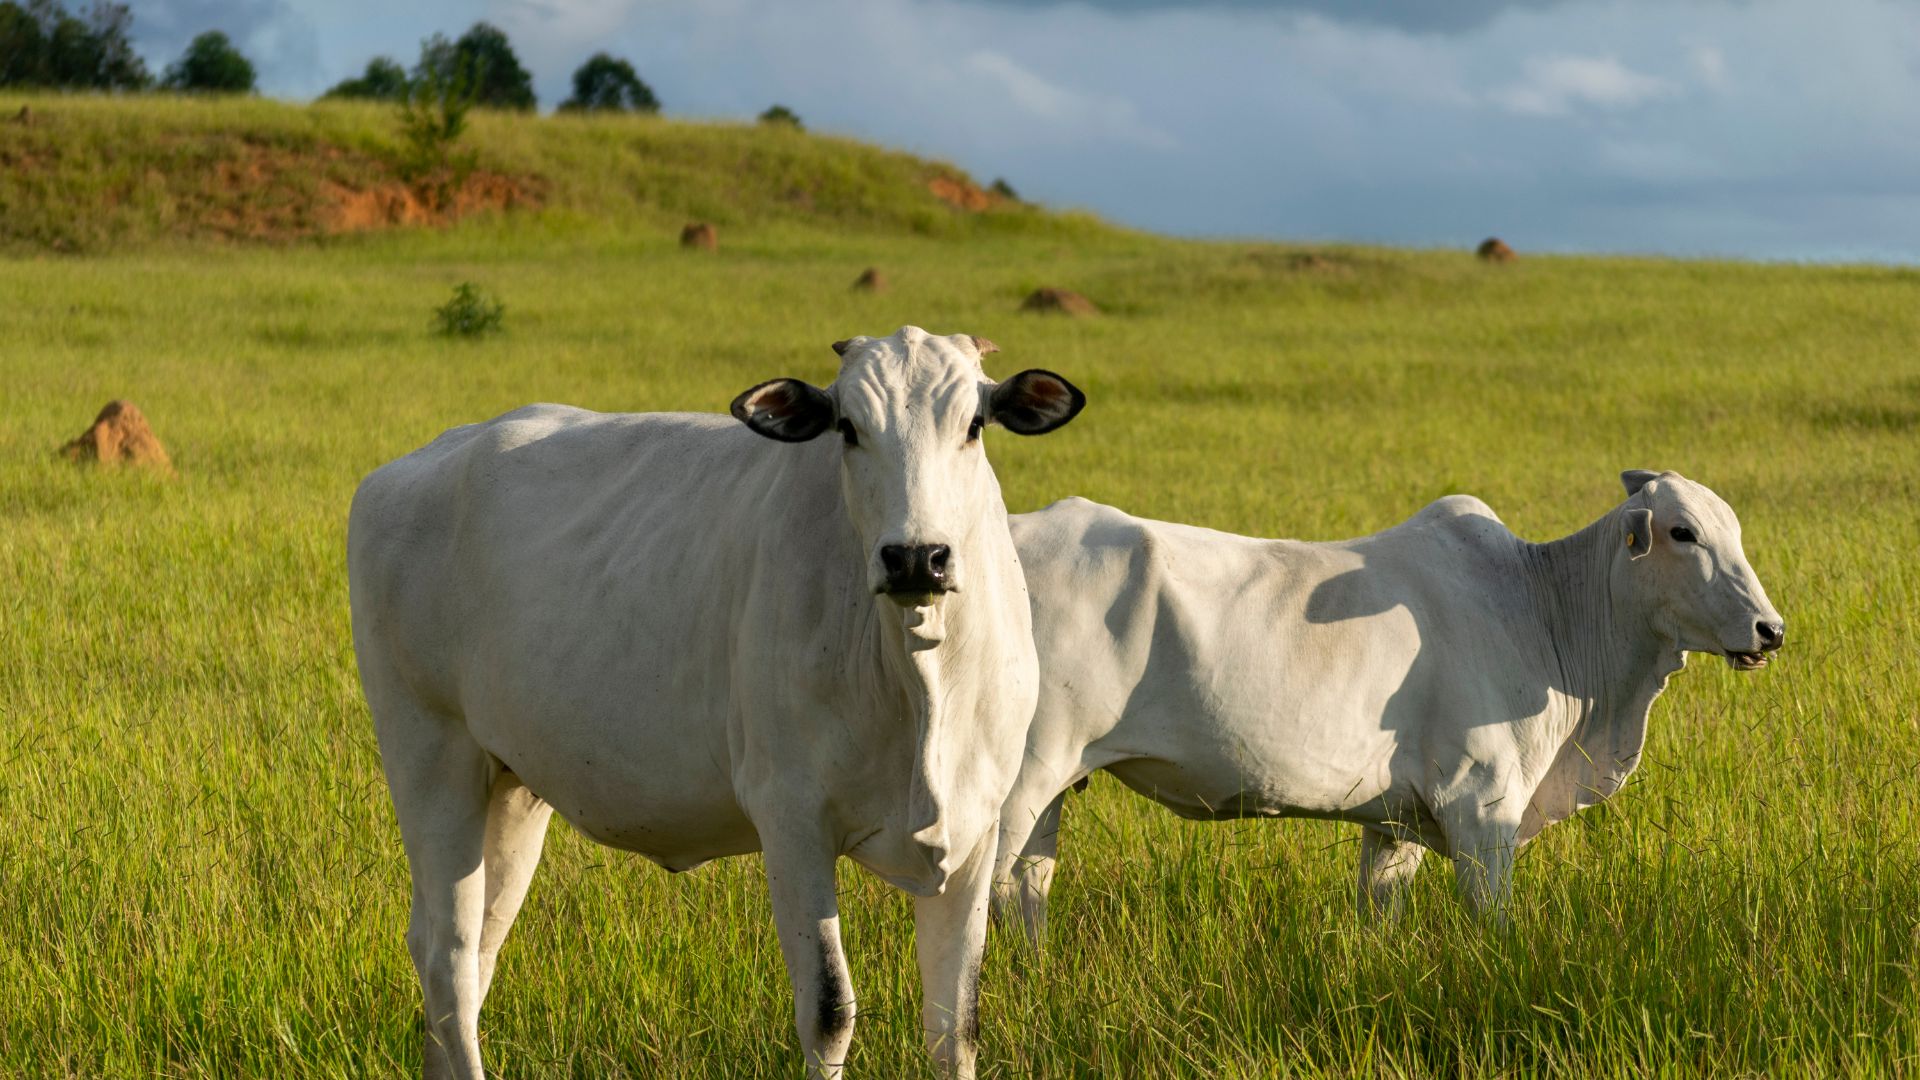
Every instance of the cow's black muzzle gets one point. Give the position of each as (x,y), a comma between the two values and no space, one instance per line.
(915,570)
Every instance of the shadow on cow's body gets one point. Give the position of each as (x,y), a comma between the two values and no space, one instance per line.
(1443,683)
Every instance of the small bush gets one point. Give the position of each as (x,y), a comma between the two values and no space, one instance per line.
(471,313)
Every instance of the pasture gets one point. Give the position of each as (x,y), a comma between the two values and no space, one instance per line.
(199,870)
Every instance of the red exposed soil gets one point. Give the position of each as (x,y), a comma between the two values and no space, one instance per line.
(257,191)
(382,206)
(962,194)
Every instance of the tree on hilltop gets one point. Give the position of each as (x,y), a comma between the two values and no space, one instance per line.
(211,65)
(42,44)
(499,81)
(384,80)
(780,115)
(606,83)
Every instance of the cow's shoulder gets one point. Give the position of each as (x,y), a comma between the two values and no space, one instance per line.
(1466,511)
(1457,524)
(1454,554)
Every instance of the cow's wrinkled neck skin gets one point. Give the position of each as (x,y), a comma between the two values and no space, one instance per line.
(1610,662)
(930,665)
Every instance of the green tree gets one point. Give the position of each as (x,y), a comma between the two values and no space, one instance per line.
(433,116)
(43,44)
(608,84)
(211,65)
(384,80)
(23,49)
(498,79)
(115,66)
(780,114)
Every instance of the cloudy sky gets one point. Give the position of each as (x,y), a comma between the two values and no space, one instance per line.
(1774,129)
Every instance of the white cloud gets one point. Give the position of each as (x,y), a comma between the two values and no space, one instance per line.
(1554,85)
(1068,112)
(556,35)
(1709,66)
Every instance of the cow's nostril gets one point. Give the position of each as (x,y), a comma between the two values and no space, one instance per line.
(895,558)
(937,559)
(1771,634)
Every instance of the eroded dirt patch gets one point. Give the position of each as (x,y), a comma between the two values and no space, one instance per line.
(68,194)
(963,194)
(393,204)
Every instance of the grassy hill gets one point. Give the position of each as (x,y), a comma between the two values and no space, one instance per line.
(89,173)
(199,869)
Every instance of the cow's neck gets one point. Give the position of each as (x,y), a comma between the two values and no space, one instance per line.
(1609,664)
(936,660)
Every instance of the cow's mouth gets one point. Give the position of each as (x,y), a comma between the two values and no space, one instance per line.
(1746,661)
(913,598)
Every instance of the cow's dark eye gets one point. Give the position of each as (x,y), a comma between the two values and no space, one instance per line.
(973,429)
(1683,534)
(846,432)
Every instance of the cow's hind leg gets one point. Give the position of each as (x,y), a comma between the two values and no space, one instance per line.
(1387,867)
(1023,878)
(949,935)
(440,780)
(807,914)
(1482,825)
(516,831)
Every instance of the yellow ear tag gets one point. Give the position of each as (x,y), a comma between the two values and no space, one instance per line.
(1629,539)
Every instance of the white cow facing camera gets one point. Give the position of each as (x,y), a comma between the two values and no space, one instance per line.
(693,641)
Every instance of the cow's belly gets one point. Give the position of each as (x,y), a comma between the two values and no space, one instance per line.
(1210,786)
(647,786)
(1314,722)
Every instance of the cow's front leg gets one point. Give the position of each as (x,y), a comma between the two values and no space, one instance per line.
(949,935)
(807,914)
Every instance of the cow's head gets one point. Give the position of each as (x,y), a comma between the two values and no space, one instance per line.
(1682,545)
(909,411)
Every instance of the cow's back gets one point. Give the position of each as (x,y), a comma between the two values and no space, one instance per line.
(1226,675)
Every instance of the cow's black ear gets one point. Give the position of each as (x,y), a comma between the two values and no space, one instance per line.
(1035,402)
(785,409)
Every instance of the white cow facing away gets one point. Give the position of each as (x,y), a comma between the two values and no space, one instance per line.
(1445,684)
(694,641)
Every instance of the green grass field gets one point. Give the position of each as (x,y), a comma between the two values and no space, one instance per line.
(199,870)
